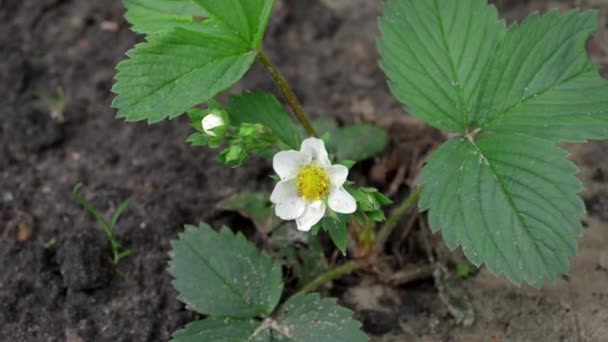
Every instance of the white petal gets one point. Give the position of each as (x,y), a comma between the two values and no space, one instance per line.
(287,163)
(313,214)
(316,149)
(337,175)
(210,122)
(342,202)
(289,205)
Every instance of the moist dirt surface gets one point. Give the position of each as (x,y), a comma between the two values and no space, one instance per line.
(56,280)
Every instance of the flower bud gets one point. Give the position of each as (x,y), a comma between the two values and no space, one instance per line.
(252,131)
(213,124)
(235,153)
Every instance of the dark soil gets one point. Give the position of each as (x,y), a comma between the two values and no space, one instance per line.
(56,279)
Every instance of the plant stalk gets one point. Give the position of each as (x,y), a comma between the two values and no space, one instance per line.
(290,96)
(335,273)
(394,218)
(385,231)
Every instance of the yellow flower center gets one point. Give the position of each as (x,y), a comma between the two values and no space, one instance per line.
(313,182)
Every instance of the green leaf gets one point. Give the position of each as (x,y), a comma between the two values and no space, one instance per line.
(119,211)
(219,329)
(369,203)
(435,54)
(337,231)
(503,192)
(355,142)
(456,67)
(541,81)
(348,163)
(360,142)
(223,274)
(309,318)
(325,125)
(247,18)
(463,269)
(173,72)
(376,215)
(254,206)
(264,108)
(108,229)
(198,139)
(381,198)
(509,200)
(156,16)
(369,199)
(303,318)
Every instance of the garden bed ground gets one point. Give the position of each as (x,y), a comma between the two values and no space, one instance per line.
(55,282)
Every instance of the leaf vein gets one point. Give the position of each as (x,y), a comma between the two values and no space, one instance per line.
(229,285)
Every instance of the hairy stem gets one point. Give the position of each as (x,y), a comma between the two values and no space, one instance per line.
(394,218)
(335,273)
(385,231)
(290,96)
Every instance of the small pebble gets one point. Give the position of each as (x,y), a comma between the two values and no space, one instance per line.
(34,131)
(7,197)
(110,26)
(377,322)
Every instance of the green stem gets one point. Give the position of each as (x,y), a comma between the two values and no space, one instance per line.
(395,217)
(335,273)
(290,96)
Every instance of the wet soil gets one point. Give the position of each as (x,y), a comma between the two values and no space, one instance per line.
(56,282)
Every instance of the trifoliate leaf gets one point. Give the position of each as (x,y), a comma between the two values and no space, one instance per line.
(173,72)
(303,318)
(509,200)
(435,54)
(247,18)
(223,274)
(308,318)
(264,108)
(502,191)
(220,329)
(541,82)
(155,16)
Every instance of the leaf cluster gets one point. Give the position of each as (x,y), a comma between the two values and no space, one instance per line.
(224,276)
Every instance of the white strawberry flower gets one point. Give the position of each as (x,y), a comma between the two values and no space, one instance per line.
(211,122)
(309,183)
